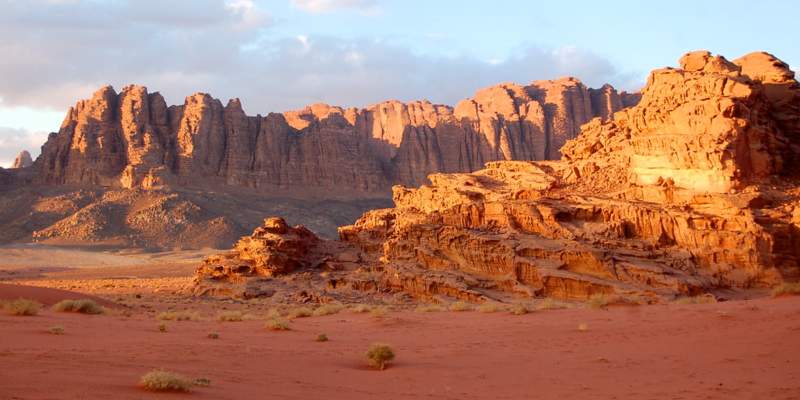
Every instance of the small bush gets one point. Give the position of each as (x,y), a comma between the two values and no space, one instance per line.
(202,382)
(518,309)
(165,381)
(328,309)
(379,312)
(230,316)
(278,324)
(598,301)
(300,312)
(360,308)
(460,306)
(162,327)
(379,355)
(56,330)
(786,289)
(583,327)
(213,335)
(489,307)
(273,313)
(426,308)
(82,306)
(178,316)
(322,337)
(551,304)
(702,299)
(21,307)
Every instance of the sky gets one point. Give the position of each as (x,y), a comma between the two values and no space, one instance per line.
(279,55)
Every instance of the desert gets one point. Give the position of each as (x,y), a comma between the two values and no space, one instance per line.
(556,239)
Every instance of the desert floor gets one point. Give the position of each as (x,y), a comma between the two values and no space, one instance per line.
(745,349)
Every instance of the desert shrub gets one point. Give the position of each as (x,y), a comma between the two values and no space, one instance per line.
(702,299)
(328,309)
(213,335)
(583,327)
(273,313)
(322,337)
(598,301)
(518,309)
(202,382)
(489,307)
(21,307)
(278,324)
(230,316)
(379,355)
(425,308)
(56,330)
(460,306)
(360,308)
(786,288)
(164,381)
(162,327)
(178,316)
(299,312)
(379,312)
(82,306)
(550,304)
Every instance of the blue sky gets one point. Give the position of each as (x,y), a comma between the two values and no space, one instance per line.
(278,55)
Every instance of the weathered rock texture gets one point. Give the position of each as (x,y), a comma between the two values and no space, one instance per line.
(691,191)
(23,160)
(134,140)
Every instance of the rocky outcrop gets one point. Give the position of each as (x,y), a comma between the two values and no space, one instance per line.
(686,193)
(23,160)
(134,140)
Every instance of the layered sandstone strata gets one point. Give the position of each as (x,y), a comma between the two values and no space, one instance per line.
(133,139)
(691,191)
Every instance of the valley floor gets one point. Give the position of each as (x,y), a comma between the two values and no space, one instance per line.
(746,349)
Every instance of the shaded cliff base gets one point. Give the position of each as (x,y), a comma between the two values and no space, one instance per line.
(157,219)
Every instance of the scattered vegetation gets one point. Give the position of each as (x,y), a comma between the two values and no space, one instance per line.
(160,380)
(786,289)
(360,308)
(178,316)
(379,312)
(328,309)
(702,299)
(230,316)
(424,308)
(322,337)
(551,304)
(202,382)
(300,312)
(518,309)
(278,324)
(56,330)
(460,306)
(213,335)
(21,307)
(162,327)
(379,355)
(489,307)
(82,306)
(583,327)
(598,301)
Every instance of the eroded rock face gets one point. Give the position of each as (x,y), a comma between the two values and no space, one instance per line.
(133,140)
(683,194)
(22,160)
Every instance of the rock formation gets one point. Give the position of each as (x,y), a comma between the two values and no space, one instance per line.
(23,160)
(134,140)
(693,190)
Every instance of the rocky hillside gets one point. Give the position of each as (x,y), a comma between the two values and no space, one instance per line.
(694,190)
(132,139)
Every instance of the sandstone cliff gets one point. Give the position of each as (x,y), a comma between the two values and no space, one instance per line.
(132,139)
(691,191)
(22,160)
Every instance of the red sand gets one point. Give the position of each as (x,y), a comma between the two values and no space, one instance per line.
(741,350)
(46,296)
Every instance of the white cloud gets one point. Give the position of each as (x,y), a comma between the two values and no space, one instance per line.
(325,6)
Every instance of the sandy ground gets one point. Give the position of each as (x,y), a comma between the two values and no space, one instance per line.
(737,349)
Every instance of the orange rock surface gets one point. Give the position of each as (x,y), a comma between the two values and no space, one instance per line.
(693,190)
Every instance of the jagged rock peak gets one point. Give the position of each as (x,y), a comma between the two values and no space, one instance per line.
(22,160)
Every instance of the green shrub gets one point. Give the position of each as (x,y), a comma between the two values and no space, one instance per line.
(379,355)
(82,306)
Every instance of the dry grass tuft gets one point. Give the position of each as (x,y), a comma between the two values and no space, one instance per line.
(278,324)
(460,306)
(322,337)
(360,308)
(519,309)
(164,381)
(178,316)
(425,308)
(300,312)
(490,307)
(21,307)
(328,309)
(56,330)
(82,306)
(379,312)
(379,355)
(598,301)
(702,299)
(551,304)
(162,327)
(231,316)
(213,335)
(202,382)
(786,289)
